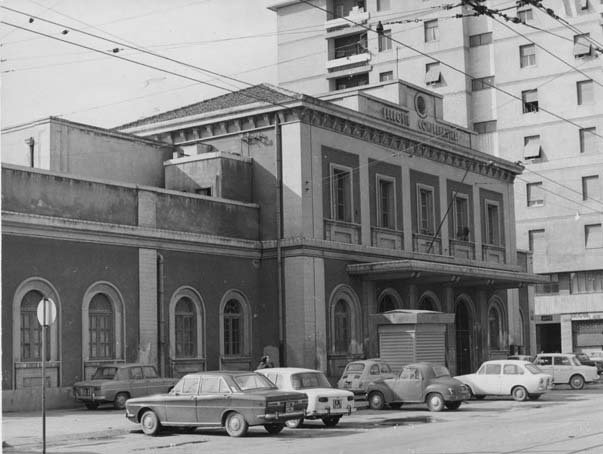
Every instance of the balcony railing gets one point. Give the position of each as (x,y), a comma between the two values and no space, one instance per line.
(342,232)
(349,55)
(462,249)
(426,244)
(493,254)
(356,15)
(387,238)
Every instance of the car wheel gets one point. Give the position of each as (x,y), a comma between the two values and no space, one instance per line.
(435,402)
(91,405)
(274,428)
(519,393)
(376,400)
(236,426)
(576,382)
(331,421)
(120,400)
(294,423)
(453,405)
(150,423)
(534,396)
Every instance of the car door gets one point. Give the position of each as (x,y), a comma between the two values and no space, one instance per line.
(136,383)
(408,386)
(491,379)
(181,404)
(562,368)
(511,376)
(213,399)
(545,364)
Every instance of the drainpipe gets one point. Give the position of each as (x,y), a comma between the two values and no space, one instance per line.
(279,235)
(161,357)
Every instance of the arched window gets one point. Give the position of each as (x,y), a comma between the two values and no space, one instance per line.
(186,328)
(233,328)
(101,327)
(494,328)
(31,330)
(342,327)
(386,303)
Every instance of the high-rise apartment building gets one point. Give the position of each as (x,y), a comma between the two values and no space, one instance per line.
(530,87)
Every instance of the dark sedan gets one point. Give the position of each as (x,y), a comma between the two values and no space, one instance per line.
(233,400)
(417,383)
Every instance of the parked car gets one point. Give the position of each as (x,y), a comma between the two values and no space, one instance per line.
(358,374)
(420,382)
(529,358)
(508,377)
(566,369)
(116,383)
(324,402)
(233,400)
(597,358)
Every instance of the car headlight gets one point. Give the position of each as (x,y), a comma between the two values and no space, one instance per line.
(450,390)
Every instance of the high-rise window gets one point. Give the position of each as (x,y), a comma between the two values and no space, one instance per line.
(351,81)
(532,148)
(536,241)
(593,236)
(341,194)
(588,140)
(585,92)
(426,210)
(493,235)
(432,30)
(482,83)
(386,209)
(535,194)
(525,15)
(101,323)
(385,40)
(582,45)
(433,75)
(590,188)
(480,40)
(385,76)
(529,100)
(383,5)
(461,217)
(527,55)
(185,328)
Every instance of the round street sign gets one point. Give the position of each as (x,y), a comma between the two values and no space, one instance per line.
(51,312)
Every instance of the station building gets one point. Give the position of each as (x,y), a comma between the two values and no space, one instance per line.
(263,221)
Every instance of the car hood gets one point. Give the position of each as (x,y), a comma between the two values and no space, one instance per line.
(92,382)
(447,381)
(147,399)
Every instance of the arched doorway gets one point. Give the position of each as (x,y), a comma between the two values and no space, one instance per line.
(464,338)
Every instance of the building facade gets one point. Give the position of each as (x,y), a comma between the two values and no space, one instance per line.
(546,115)
(268,222)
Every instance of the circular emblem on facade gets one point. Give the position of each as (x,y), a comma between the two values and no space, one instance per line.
(420,105)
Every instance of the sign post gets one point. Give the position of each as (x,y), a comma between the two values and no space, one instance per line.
(47,313)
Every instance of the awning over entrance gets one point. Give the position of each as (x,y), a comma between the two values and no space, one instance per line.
(427,272)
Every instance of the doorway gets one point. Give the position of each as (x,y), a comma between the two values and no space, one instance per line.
(548,337)
(464,338)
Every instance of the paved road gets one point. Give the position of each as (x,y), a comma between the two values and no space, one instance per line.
(563,421)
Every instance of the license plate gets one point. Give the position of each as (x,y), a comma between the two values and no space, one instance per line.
(289,407)
(336,403)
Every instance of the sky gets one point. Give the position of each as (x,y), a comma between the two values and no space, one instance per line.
(42,76)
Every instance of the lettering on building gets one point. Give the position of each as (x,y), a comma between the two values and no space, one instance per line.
(395,116)
(442,132)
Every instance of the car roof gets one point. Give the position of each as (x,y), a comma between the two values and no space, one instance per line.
(506,361)
(122,365)
(219,372)
(288,370)
(556,354)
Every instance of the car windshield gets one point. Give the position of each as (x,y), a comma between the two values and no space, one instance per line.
(354,367)
(582,357)
(532,368)
(104,373)
(575,361)
(440,371)
(253,381)
(309,380)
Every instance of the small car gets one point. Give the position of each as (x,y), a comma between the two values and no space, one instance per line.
(233,400)
(116,383)
(324,401)
(420,382)
(508,377)
(566,369)
(358,374)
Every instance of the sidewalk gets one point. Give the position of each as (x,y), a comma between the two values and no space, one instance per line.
(24,430)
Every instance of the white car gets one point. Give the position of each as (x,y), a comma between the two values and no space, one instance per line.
(508,377)
(324,401)
(566,369)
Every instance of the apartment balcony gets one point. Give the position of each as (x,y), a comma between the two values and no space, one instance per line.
(493,254)
(342,232)
(348,57)
(387,238)
(462,249)
(356,14)
(427,244)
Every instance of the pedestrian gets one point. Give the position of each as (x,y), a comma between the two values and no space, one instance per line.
(265,363)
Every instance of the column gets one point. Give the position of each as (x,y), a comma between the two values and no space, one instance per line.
(147,301)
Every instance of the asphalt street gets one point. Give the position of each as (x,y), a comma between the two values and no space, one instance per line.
(562,421)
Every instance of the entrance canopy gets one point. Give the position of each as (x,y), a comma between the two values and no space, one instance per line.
(427,272)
